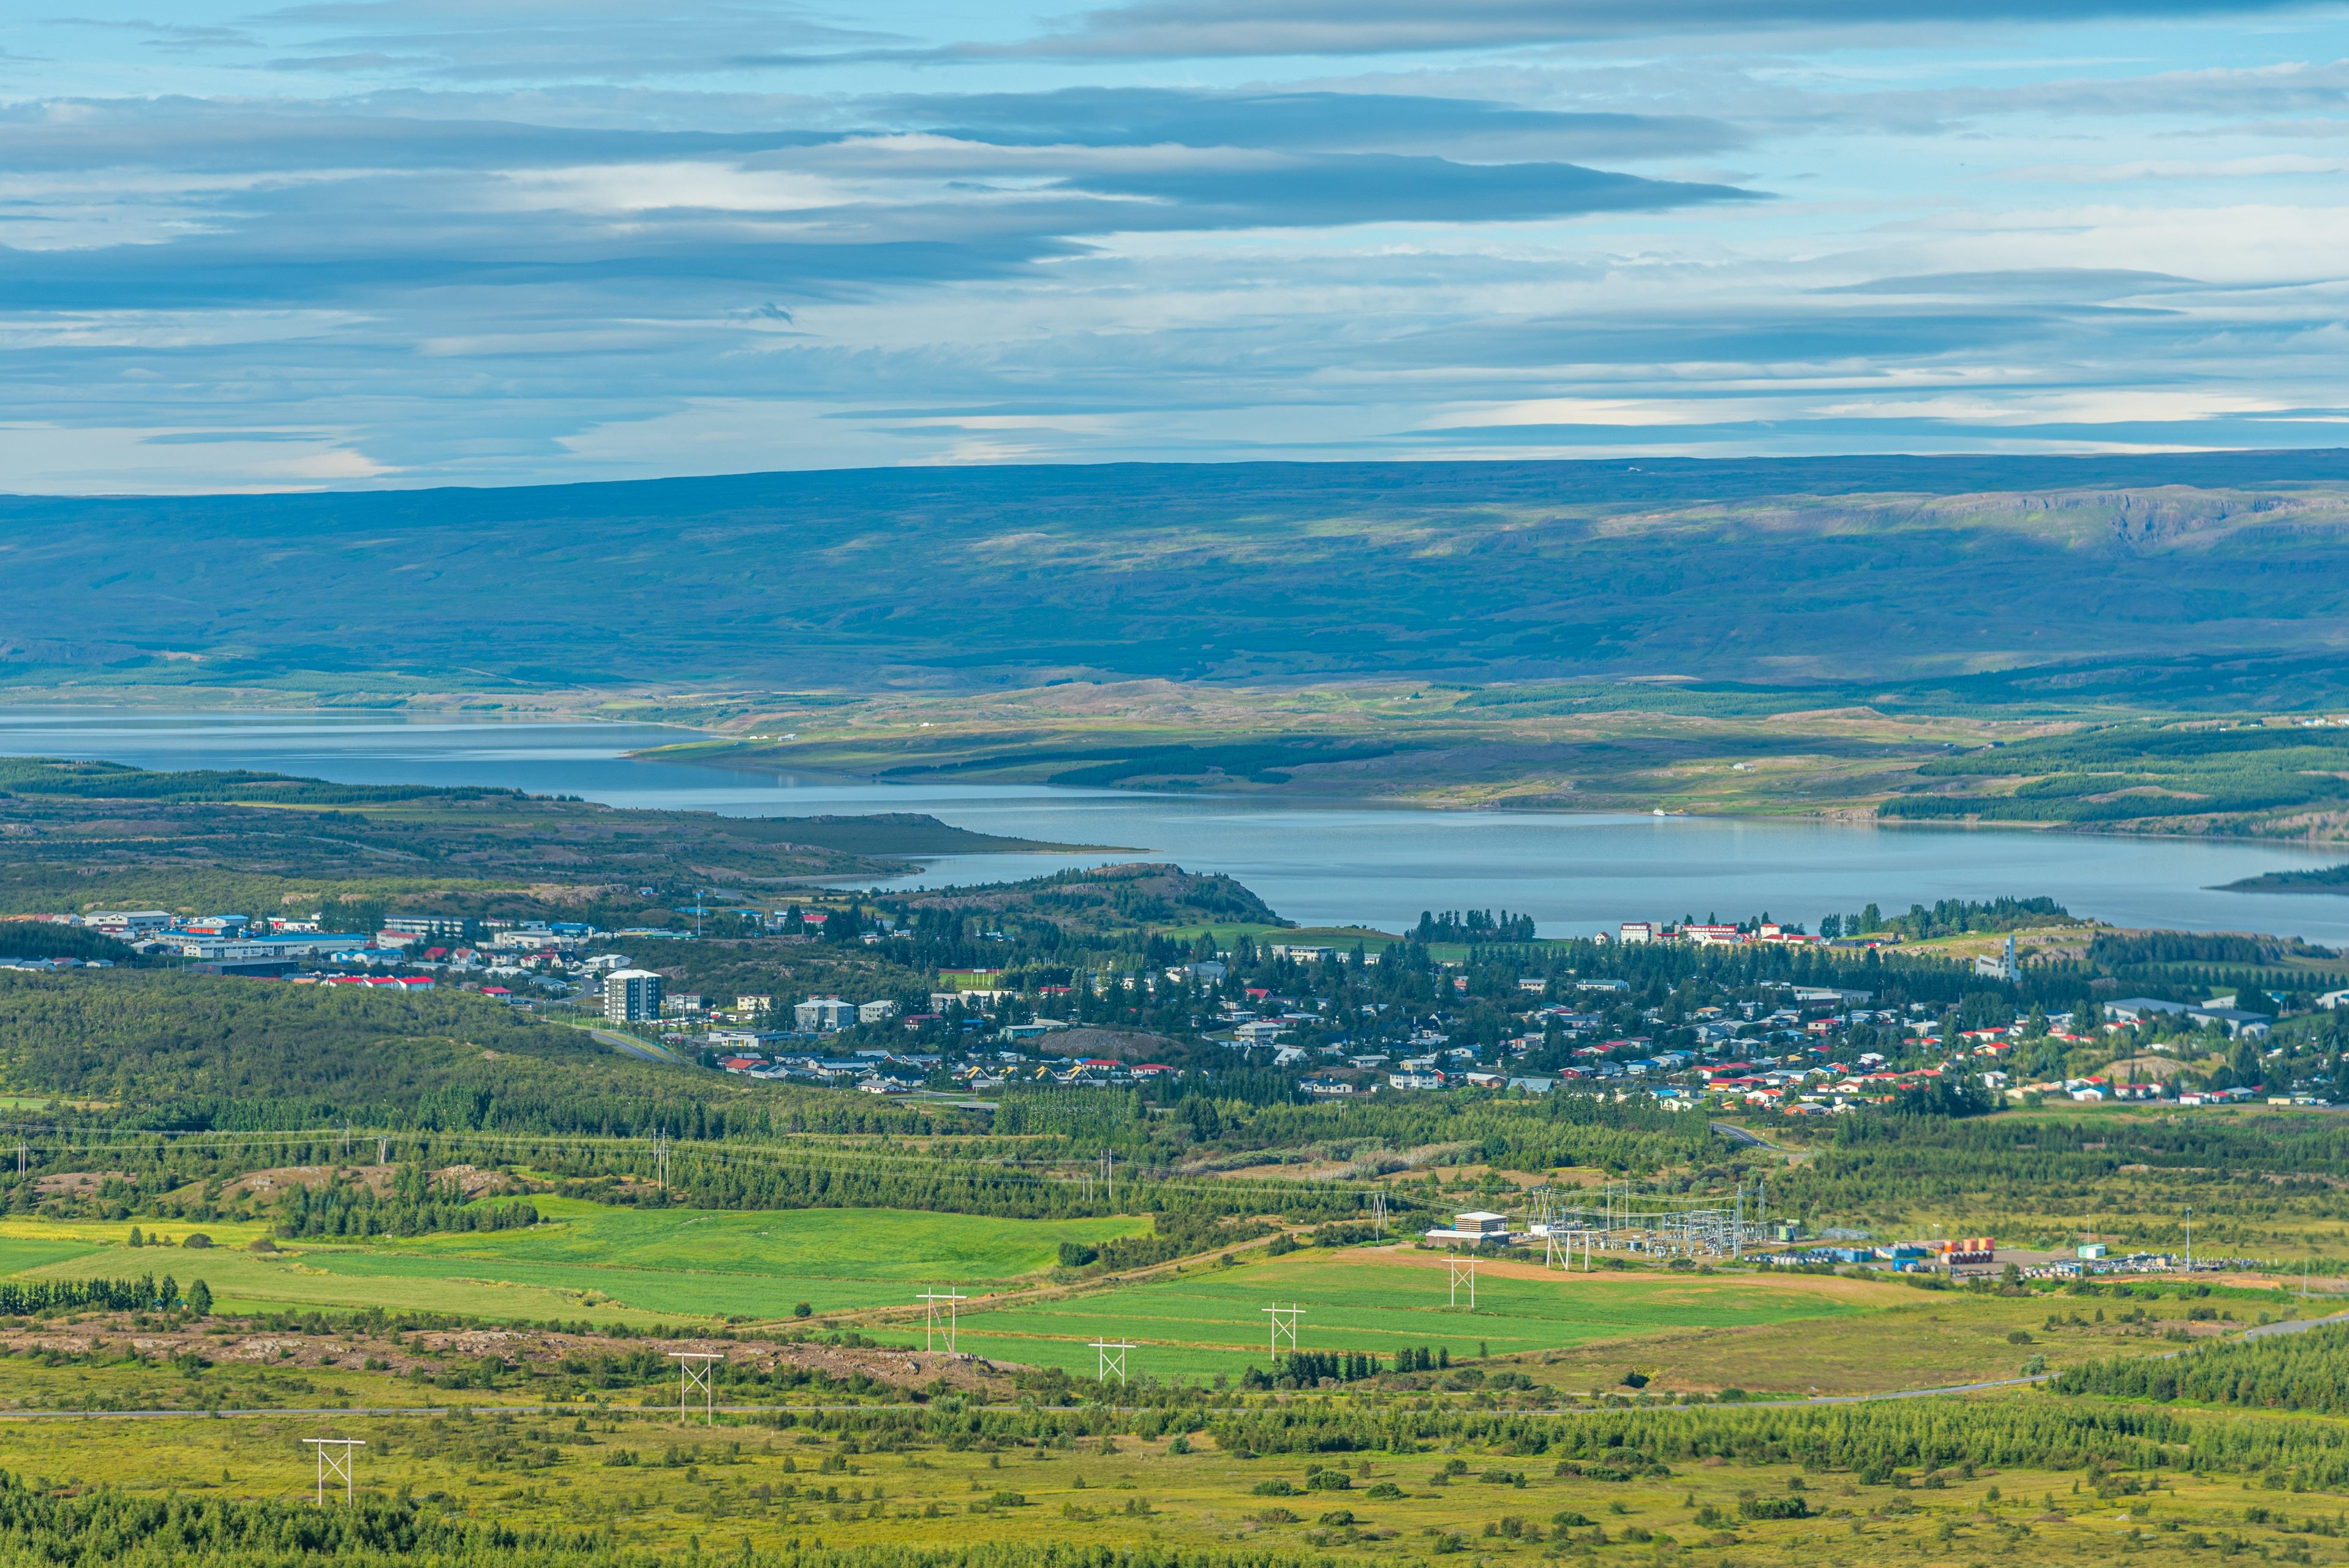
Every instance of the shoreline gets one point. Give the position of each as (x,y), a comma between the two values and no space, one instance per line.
(1847,816)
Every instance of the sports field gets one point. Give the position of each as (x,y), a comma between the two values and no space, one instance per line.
(1209,1320)
(588,1261)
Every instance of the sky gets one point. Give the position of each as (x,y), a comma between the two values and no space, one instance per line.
(403,242)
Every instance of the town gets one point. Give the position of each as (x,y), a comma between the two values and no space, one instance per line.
(1755,1017)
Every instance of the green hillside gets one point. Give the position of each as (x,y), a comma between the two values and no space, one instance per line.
(974,579)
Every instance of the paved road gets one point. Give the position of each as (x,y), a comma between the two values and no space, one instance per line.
(1736,1134)
(636,1048)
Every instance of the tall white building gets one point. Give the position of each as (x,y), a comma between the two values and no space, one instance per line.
(2003,967)
(632,995)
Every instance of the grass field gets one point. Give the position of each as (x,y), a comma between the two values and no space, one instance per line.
(1576,1333)
(723,1490)
(1210,1320)
(606,1264)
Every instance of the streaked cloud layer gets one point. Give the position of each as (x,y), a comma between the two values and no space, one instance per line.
(413,242)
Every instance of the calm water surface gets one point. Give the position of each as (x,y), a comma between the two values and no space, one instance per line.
(1318,864)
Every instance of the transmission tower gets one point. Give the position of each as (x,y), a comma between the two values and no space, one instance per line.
(693,1371)
(931,1300)
(1284,1321)
(335,1459)
(1463,1272)
(1110,1358)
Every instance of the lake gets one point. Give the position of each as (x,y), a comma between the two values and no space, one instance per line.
(1317,864)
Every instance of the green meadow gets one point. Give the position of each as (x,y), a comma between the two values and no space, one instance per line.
(1209,1319)
(640,1266)
(606,1264)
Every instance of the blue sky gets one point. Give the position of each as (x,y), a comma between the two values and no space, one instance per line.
(425,242)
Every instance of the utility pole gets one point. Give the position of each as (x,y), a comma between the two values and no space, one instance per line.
(930,1300)
(1284,1321)
(1110,1358)
(338,1462)
(693,1371)
(1462,1269)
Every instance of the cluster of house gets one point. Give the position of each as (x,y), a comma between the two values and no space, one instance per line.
(742,1040)
(1428,1059)
(51,965)
(2219,1010)
(871,1069)
(552,955)
(1762,1054)
(222,944)
(1714,934)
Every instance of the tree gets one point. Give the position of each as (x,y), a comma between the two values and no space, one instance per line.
(2243,1062)
(199,1299)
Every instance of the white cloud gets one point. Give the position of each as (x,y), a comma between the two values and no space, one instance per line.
(116,460)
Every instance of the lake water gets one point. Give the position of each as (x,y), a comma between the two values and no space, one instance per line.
(1320,864)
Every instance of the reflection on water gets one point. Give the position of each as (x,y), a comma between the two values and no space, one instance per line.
(1315,863)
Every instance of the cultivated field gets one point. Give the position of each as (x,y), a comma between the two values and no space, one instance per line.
(587,1260)
(1210,1320)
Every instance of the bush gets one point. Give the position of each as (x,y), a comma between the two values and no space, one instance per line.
(802,1309)
(1076,1254)
(197,1240)
(1774,1508)
(1385,1492)
(1273,1488)
(2019,1336)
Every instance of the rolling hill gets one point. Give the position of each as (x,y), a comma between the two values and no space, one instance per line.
(1832,571)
